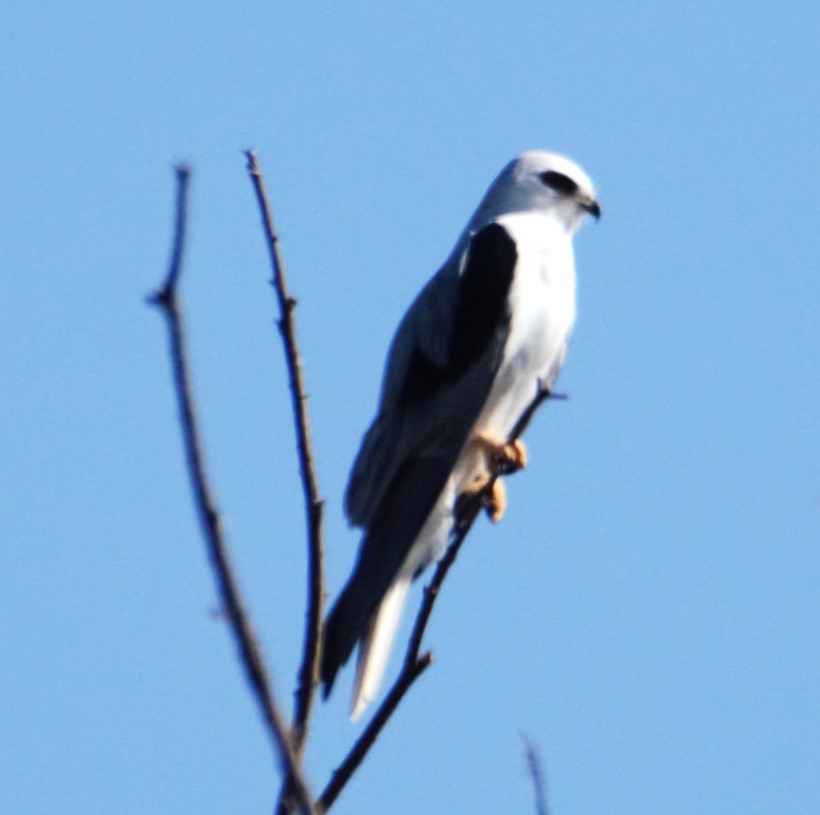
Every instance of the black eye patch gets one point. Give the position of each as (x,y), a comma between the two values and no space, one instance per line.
(559,182)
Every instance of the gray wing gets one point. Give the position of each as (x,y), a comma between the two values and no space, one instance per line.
(429,404)
(434,387)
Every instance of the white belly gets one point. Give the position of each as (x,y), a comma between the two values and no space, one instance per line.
(542,302)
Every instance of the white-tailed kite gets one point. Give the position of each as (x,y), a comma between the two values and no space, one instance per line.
(467,359)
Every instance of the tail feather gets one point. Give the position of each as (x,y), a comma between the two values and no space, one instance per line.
(376,645)
(392,535)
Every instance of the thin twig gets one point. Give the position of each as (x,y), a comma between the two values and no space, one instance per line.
(309,672)
(409,674)
(537,774)
(415,663)
(166,300)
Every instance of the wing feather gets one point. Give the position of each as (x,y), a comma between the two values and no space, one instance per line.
(429,406)
(426,394)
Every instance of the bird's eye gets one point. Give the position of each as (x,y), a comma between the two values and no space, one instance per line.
(559,182)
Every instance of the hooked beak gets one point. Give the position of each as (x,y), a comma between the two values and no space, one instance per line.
(593,208)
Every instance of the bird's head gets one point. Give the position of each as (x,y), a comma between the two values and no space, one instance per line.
(538,181)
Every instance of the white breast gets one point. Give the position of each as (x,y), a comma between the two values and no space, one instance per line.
(542,304)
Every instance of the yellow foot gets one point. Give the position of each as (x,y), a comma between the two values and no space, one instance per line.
(495,501)
(492,460)
(510,457)
(493,496)
(502,457)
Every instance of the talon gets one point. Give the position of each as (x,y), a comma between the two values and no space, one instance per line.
(495,501)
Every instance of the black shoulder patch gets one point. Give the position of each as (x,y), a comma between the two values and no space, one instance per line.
(482,297)
(482,311)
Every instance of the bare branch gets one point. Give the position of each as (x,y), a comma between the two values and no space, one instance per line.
(166,299)
(415,663)
(409,674)
(537,774)
(309,672)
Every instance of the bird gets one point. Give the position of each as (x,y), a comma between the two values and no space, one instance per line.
(486,332)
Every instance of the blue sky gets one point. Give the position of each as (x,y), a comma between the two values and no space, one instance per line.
(646,612)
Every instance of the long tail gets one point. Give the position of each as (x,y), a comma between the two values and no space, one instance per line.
(409,531)
(354,619)
(376,645)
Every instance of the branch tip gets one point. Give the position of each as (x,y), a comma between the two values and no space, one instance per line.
(536,771)
(314,506)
